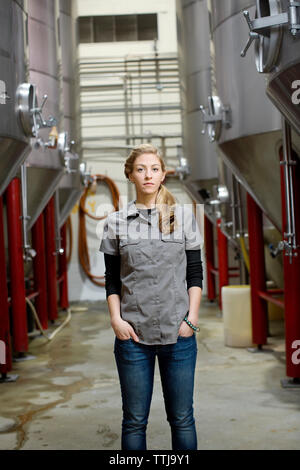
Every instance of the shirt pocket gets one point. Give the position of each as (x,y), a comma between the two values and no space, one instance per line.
(129,252)
(172,248)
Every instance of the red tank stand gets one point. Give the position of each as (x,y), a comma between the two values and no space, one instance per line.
(259,306)
(16,266)
(209,252)
(39,270)
(291,268)
(6,359)
(49,214)
(222,260)
(63,270)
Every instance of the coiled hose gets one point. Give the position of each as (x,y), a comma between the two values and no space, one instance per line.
(83,252)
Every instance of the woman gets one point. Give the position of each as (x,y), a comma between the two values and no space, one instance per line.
(153,289)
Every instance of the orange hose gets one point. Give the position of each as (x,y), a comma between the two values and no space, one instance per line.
(83,252)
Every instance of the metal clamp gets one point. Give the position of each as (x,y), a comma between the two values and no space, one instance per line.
(216,117)
(67,154)
(29,113)
(260,27)
(36,111)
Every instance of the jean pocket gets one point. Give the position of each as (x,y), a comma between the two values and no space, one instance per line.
(122,340)
(186,337)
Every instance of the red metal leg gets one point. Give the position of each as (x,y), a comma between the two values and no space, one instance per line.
(223,261)
(39,270)
(292,279)
(63,270)
(17,284)
(4,311)
(209,252)
(51,259)
(257,273)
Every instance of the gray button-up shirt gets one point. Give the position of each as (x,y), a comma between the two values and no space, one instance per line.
(154,297)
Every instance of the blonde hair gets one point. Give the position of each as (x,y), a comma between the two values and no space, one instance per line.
(165,201)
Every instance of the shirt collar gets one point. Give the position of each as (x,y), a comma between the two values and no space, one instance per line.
(132,209)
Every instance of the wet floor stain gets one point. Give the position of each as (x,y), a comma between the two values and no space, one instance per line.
(25,419)
(107,436)
(44,384)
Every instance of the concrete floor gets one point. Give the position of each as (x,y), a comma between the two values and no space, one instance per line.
(68,397)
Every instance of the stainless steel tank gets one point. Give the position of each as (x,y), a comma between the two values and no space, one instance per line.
(14,145)
(71,184)
(276,33)
(250,132)
(44,165)
(195,85)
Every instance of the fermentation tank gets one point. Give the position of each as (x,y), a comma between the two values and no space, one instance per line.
(14,145)
(251,132)
(71,184)
(277,54)
(195,85)
(44,165)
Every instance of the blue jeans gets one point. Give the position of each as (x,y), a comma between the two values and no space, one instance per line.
(135,363)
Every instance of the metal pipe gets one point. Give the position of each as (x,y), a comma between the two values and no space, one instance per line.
(127,139)
(289,190)
(233,206)
(136,136)
(160,107)
(140,98)
(25,215)
(59,249)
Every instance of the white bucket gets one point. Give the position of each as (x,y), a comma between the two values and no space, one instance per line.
(237,317)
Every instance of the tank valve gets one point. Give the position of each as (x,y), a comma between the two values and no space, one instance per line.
(266,29)
(38,121)
(283,245)
(216,117)
(29,253)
